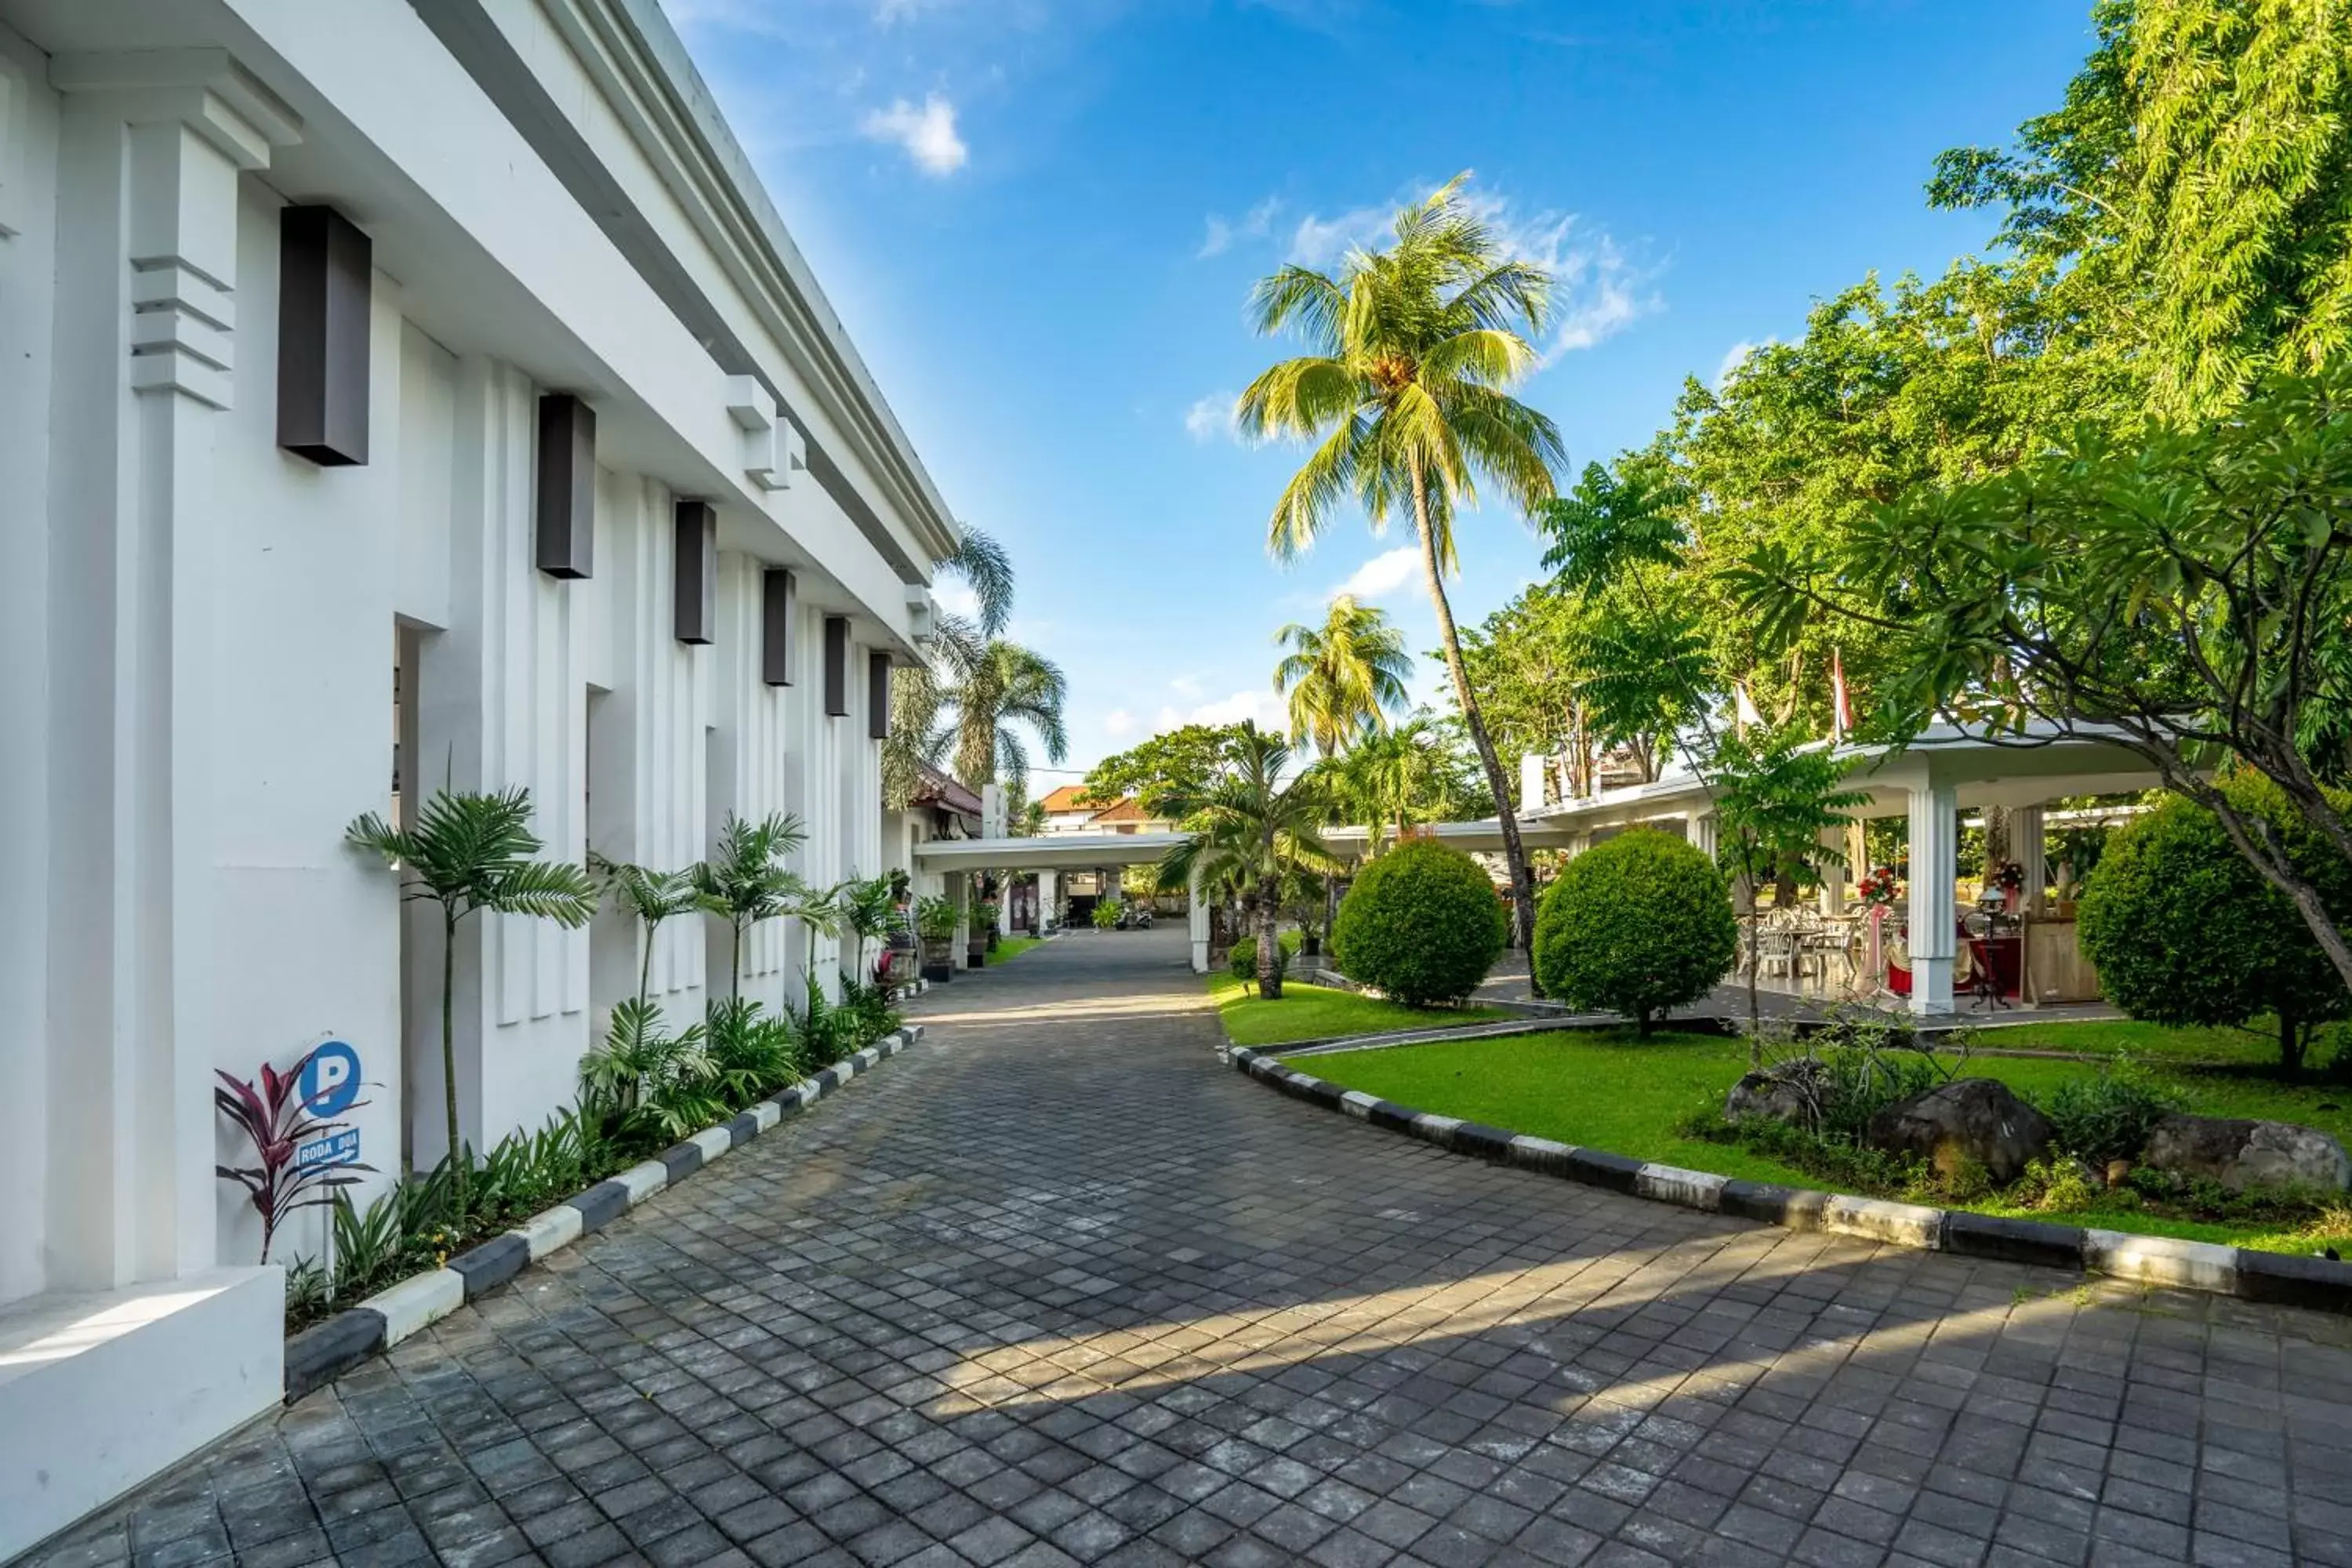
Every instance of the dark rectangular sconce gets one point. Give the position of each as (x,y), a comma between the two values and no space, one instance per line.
(836,666)
(698,571)
(776,605)
(877,696)
(325,273)
(567,486)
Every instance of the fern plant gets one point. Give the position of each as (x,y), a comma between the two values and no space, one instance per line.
(468,852)
(646,1083)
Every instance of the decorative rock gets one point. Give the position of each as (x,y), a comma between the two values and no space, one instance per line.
(1785,1091)
(1969,1121)
(2240,1154)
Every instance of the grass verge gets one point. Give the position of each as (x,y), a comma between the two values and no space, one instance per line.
(1009,948)
(1601,1089)
(1322,1012)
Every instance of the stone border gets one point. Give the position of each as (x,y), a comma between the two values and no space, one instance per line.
(2278,1277)
(325,1350)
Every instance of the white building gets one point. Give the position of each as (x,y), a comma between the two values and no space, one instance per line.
(337,335)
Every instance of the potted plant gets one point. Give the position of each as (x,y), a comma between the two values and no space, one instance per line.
(984,934)
(935,923)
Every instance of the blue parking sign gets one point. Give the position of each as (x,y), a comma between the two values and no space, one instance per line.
(330,1079)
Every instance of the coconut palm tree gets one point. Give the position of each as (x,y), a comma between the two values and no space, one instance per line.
(1247,828)
(1343,678)
(1413,350)
(468,852)
(1007,689)
(956,645)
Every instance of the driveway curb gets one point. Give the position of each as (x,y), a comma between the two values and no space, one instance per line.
(2282,1279)
(325,1350)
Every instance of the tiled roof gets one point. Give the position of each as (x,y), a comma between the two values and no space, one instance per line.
(1066,797)
(1128,810)
(935,787)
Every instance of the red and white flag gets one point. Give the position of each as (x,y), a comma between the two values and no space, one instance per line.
(1840,700)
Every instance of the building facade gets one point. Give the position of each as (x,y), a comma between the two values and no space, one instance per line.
(392,396)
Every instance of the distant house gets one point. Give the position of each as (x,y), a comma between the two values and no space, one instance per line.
(1070,810)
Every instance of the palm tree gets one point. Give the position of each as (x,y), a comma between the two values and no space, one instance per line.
(1414,348)
(1344,678)
(469,852)
(1246,828)
(956,645)
(1007,686)
(747,882)
(652,897)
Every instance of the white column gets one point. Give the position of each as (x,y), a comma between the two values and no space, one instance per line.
(1531,780)
(1004,905)
(959,891)
(1700,828)
(1049,898)
(1834,873)
(1109,877)
(154,147)
(1196,921)
(1934,845)
(2025,845)
(992,811)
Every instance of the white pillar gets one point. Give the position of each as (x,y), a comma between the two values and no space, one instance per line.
(1700,828)
(1531,780)
(992,811)
(1196,922)
(1834,873)
(1934,845)
(2025,845)
(1577,845)
(960,886)
(1108,875)
(1049,899)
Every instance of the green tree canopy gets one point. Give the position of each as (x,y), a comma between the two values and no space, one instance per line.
(1181,761)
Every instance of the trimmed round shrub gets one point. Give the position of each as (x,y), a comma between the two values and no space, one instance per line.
(1635,925)
(1241,957)
(2183,930)
(1421,924)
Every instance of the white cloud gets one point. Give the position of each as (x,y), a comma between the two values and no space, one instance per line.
(1185,686)
(1119,723)
(928,134)
(956,598)
(1212,416)
(1382,575)
(1257,224)
(1321,241)
(1734,357)
(1262,705)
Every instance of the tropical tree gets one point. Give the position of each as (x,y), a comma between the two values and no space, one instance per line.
(1413,773)
(650,897)
(1405,389)
(1344,678)
(958,644)
(1246,830)
(1008,687)
(469,852)
(745,881)
(1183,759)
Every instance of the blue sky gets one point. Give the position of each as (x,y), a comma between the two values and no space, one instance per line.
(1040,220)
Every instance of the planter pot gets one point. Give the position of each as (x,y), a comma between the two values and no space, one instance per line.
(938,960)
(975,954)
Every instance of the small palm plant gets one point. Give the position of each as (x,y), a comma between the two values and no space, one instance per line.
(647,1085)
(467,852)
(1248,828)
(745,881)
(652,897)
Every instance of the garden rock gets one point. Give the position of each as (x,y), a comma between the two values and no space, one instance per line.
(2242,1153)
(1969,1121)
(1787,1092)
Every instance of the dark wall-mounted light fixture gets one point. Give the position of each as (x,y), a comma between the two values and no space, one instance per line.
(325,275)
(877,696)
(836,666)
(567,487)
(697,598)
(778,604)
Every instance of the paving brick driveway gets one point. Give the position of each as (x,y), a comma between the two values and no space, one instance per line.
(1057,1287)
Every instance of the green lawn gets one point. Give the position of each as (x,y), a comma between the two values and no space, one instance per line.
(1320,1012)
(1008,948)
(2256,1046)
(1603,1089)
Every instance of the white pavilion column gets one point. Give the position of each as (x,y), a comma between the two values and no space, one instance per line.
(1700,828)
(2025,845)
(960,886)
(1049,899)
(1196,921)
(1834,873)
(1531,782)
(1934,817)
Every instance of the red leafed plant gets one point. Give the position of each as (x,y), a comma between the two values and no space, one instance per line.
(273,1116)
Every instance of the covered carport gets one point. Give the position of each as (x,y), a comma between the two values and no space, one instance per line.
(960,862)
